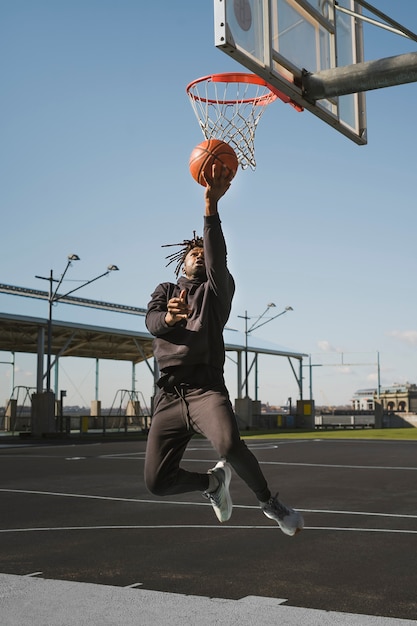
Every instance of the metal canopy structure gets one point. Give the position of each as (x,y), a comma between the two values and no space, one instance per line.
(20,334)
(23,334)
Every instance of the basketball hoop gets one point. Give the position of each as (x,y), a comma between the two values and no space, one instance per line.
(229,107)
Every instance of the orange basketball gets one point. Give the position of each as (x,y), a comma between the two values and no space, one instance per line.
(206,154)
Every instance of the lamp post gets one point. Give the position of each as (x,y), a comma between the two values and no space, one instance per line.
(310,367)
(253,327)
(54,297)
(12,363)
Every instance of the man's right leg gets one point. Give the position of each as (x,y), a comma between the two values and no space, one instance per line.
(168,438)
(212,415)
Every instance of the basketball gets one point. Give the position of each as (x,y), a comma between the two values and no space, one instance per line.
(206,154)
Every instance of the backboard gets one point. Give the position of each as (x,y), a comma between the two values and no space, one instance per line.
(283,40)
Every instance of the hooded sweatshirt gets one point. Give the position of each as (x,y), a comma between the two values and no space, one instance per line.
(199,339)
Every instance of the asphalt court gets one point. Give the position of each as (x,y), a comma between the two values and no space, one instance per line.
(82,513)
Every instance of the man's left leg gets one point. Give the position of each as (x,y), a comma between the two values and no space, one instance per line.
(215,419)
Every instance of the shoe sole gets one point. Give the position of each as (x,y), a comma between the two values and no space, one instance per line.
(284,528)
(227,478)
(297,530)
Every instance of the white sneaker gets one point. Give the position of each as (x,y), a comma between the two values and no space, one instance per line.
(220,499)
(289,520)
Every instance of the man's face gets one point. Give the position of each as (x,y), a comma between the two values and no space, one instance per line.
(194,265)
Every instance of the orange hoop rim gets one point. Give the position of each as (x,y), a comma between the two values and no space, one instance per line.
(234,77)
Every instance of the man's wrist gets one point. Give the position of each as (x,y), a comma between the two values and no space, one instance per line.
(211,207)
(169,320)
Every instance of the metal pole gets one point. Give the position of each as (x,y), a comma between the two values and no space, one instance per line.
(366,76)
(53,296)
(96,381)
(245,317)
(40,360)
(48,360)
(392,25)
(255,326)
(12,363)
(56,376)
(246,357)
(13,371)
(133,376)
(239,375)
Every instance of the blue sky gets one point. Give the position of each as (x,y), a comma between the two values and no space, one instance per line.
(96,131)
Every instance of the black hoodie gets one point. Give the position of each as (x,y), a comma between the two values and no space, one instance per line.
(199,339)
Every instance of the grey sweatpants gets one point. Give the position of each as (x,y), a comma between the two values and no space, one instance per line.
(180,415)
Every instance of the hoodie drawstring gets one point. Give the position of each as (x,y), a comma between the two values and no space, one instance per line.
(180,391)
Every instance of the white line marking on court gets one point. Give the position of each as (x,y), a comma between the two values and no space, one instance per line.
(141,456)
(31,456)
(33,574)
(127,456)
(365,513)
(92,497)
(332,466)
(199,527)
(116,455)
(133,586)
(363,530)
(188,503)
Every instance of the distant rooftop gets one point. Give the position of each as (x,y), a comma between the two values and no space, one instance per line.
(394,388)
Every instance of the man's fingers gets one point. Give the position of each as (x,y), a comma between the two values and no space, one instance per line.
(178,306)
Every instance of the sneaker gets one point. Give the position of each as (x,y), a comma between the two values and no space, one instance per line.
(220,499)
(290,521)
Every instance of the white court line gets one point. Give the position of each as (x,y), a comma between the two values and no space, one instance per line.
(139,454)
(334,466)
(206,446)
(366,513)
(285,463)
(199,527)
(184,503)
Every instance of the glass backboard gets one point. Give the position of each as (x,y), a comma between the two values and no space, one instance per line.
(282,40)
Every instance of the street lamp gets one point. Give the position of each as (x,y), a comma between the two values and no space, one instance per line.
(54,297)
(253,327)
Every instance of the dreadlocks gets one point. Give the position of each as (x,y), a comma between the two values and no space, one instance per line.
(179,256)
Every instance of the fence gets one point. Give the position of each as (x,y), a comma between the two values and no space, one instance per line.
(323,422)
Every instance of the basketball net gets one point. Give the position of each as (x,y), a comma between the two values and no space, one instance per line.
(229,107)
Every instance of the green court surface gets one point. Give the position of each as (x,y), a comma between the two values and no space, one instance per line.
(393,434)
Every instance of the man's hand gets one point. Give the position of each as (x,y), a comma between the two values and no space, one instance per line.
(178,309)
(216,187)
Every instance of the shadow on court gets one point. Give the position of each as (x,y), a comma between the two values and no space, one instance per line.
(82,513)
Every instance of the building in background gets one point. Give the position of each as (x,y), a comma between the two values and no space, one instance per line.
(364,400)
(396,398)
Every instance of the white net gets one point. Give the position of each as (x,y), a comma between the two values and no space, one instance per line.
(229,107)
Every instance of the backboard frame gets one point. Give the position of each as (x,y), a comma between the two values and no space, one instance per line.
(254,41)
